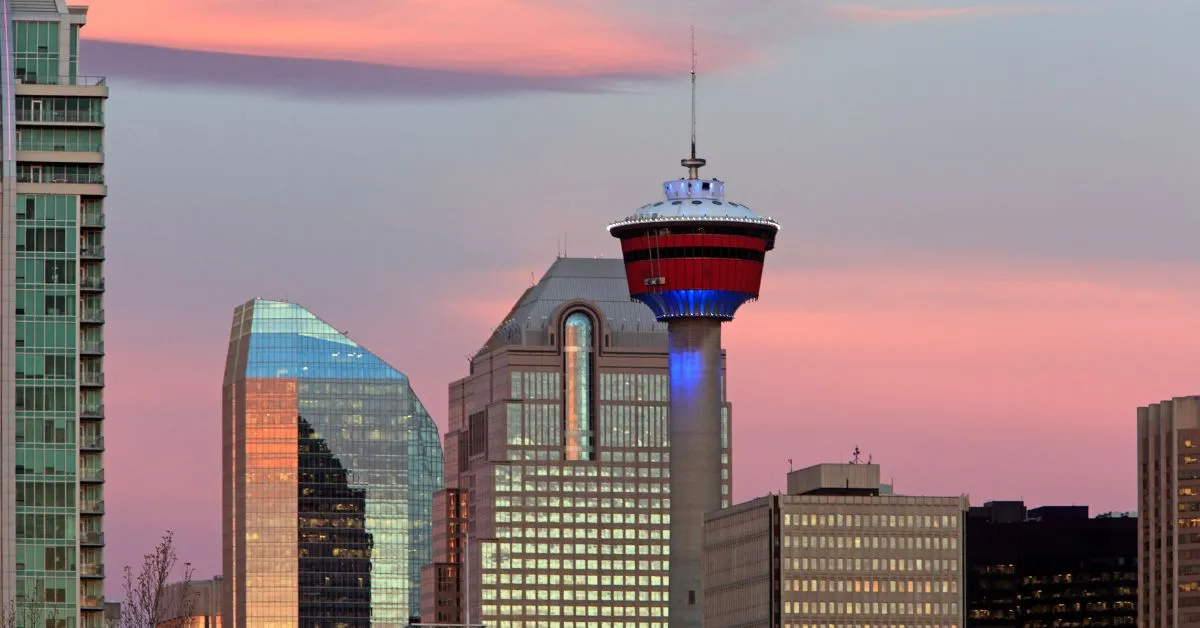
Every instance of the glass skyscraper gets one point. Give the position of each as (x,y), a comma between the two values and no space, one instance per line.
(556,511)
(51,334)
(330,466)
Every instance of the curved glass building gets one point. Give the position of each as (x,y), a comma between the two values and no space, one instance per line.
(330,466)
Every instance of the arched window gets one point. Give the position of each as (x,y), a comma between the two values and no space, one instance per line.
(578,332)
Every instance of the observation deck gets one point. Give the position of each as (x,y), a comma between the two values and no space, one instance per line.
(695,254)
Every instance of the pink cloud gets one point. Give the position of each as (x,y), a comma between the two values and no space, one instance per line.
(522,37)
(867,13)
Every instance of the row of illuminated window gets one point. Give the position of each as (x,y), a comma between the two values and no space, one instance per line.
(518,472)
(534,424)
(841,520)
(604,503)
(872,564)
(890,625)
(609,517)
(554,501)
(571,595)
(584,487)
(645,387)
(808,585)
(505,561)
(607,504)
(547,611)
(633,426)
(870,608)
(555,623)
(871,542)
(586,549)
(567,517)
(573,580)
(592,548)
(536,385)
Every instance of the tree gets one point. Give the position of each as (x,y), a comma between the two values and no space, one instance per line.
(31,613)
(145,604)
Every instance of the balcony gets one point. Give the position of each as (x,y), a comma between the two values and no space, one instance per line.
(79,81)
(91,347)
(91,506)
(92,252)
(92,284)
(41,176)
(92,315)
(91,442)
(92,601)
(93,476)
(91,378)
(88,537)
(66,153)
(91,571)
(45,116)
(91,220)
(92,412)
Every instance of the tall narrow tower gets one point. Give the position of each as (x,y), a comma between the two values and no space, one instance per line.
(694,258)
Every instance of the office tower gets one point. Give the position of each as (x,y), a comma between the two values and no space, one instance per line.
(833,551)
(557,457)
(1049,566)
(195,604)
(1169,513)
(330,465)
(51,335)
(694,259)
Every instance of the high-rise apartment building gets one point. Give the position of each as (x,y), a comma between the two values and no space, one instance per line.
(51,334)
(835,553)
(330,465)
(1050,566)
(556,511)
(1169,513)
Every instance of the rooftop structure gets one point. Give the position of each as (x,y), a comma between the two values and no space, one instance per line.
(693,259)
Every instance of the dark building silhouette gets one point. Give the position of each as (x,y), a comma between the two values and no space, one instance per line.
(1050,567)
(335,548)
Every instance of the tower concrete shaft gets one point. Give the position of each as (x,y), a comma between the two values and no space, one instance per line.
(694,417)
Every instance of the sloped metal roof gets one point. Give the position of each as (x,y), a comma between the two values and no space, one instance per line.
(601,281)
(35,6)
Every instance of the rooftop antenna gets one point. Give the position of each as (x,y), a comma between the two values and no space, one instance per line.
(854,460)
(790,468)
(693,163)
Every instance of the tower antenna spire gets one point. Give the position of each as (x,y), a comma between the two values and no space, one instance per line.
(693,163)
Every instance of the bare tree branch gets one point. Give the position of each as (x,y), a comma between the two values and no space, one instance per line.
(144,601)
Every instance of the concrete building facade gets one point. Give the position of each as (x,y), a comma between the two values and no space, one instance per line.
(556,511)
(1169,513)
(833,552)
(52,196)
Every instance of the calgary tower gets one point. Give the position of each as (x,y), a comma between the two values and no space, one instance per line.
(694,259)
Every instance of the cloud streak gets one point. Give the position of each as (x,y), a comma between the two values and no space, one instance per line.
(869,14)
(318,79)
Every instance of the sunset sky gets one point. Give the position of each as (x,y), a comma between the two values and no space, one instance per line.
(989,214)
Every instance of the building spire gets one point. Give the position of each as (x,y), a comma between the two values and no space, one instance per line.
(693,163)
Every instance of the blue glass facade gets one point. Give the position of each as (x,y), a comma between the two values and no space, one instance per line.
(331,465)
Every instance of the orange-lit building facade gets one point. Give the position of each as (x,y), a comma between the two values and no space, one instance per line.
(194,604)
(330,464)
